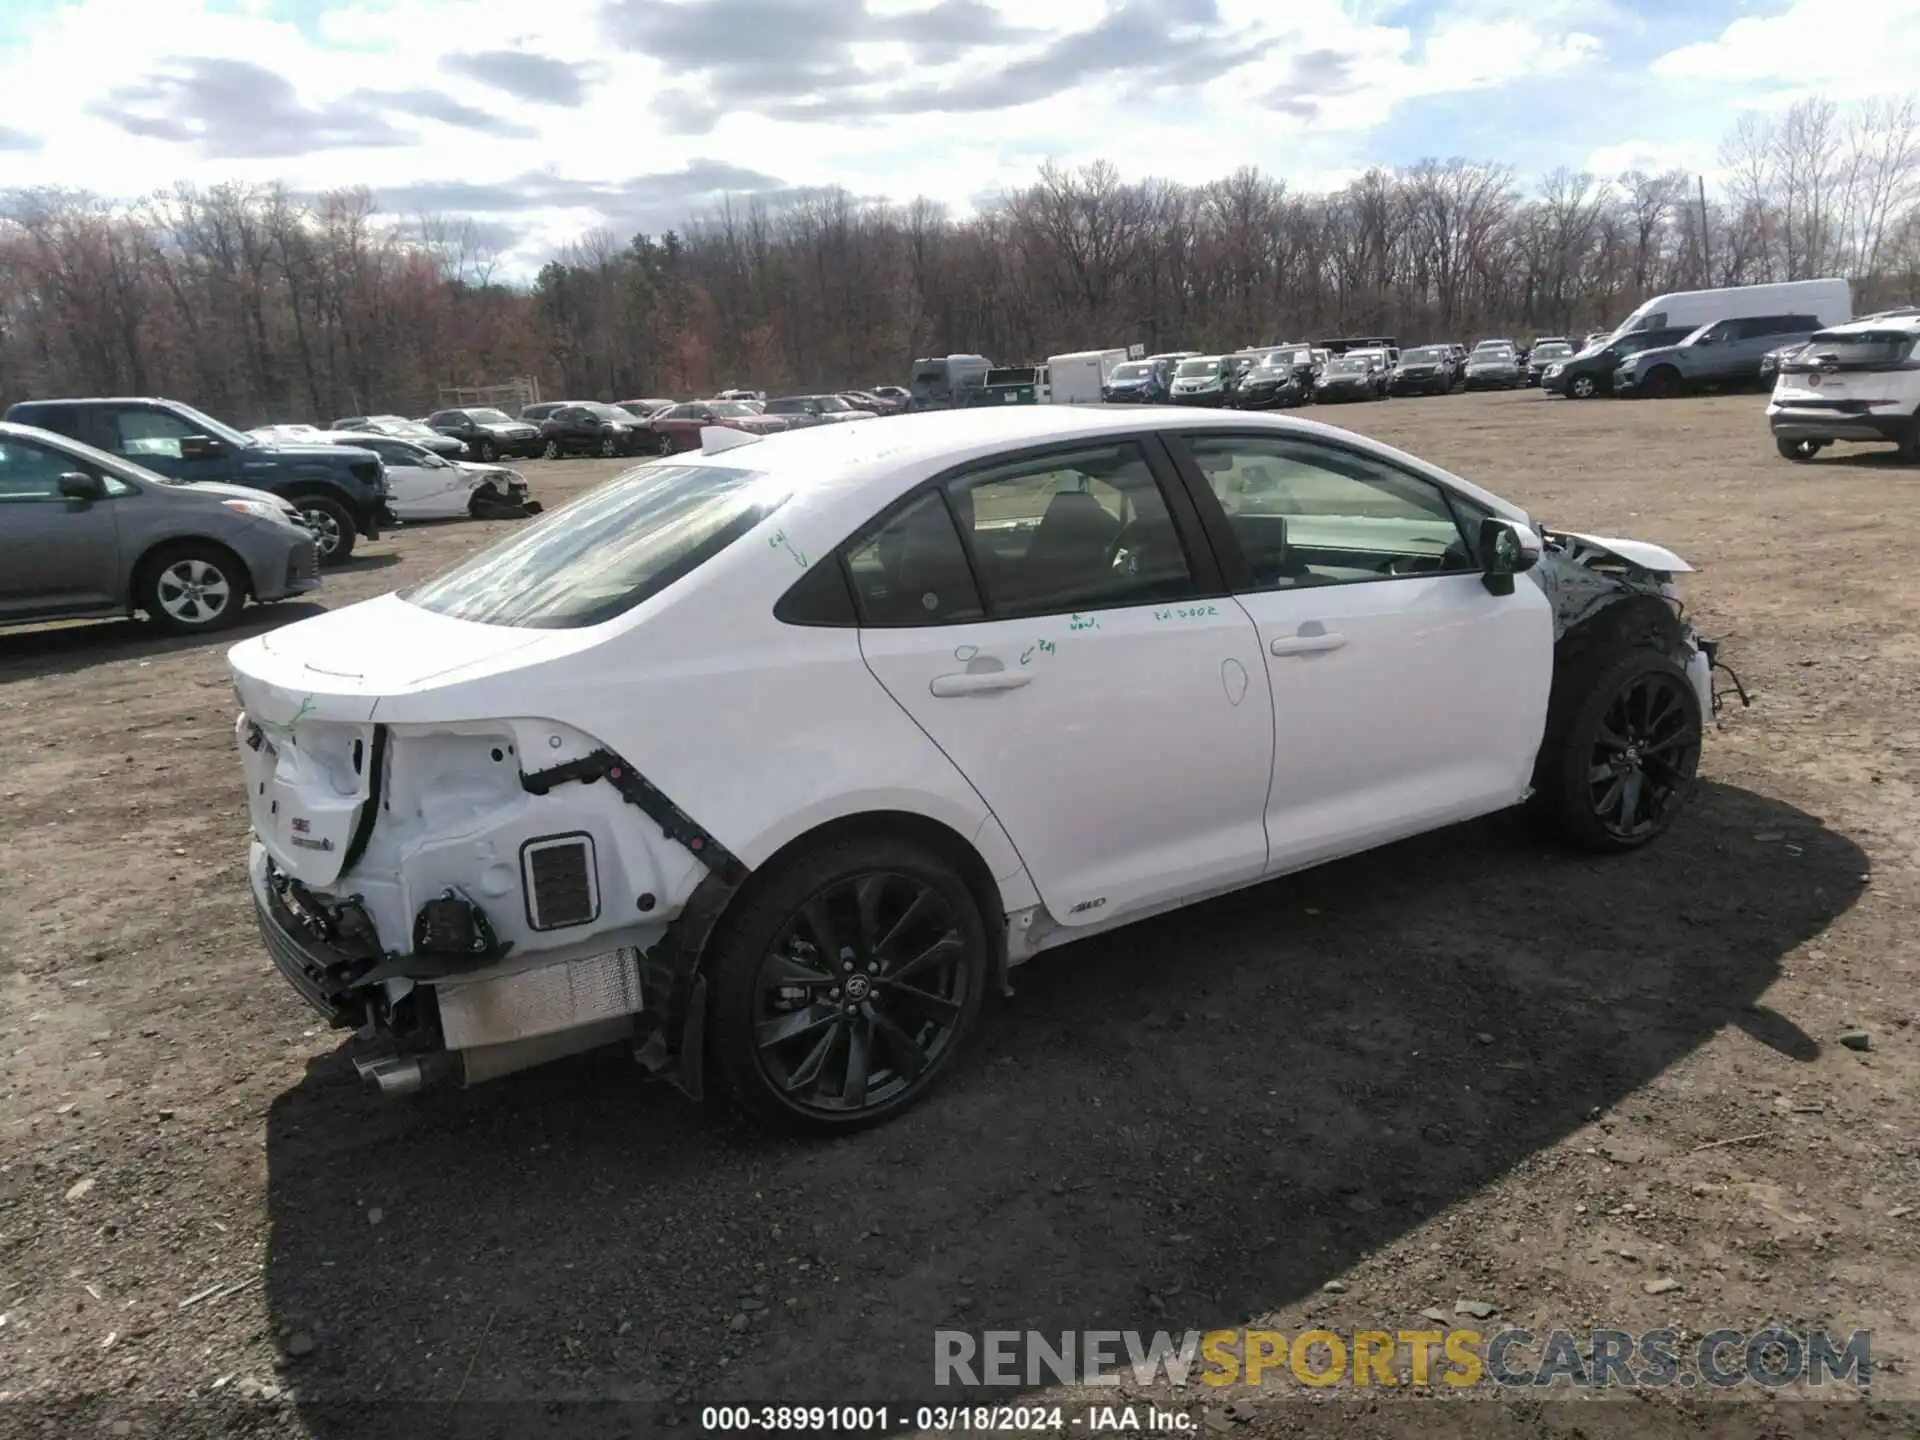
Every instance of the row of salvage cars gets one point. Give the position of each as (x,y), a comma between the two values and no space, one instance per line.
(748,759)
(116,505)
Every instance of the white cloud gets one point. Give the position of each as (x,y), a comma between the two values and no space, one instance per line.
(1865,46)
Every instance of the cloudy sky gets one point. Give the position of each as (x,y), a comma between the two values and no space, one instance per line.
(543,118)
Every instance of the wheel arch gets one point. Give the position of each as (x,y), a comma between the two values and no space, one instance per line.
(156,550)
(674,971)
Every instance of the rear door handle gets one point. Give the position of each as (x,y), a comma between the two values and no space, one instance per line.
(978,682)
(1307,644)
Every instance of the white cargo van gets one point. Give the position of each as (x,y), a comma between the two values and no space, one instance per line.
(1081,378)
(1828,301)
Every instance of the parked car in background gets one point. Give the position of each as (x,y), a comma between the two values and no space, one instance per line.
(1546,353)
(1347,377)
(1201,380)
(843,797)
(423,484)
(540,409)
(1770,362)
(486,433)
(1139,382)
(341,494)
(87,534)
(899,395)
(644,409)
(677,428)
(1855,383)
(401,428)
(592,428)
(1725,353)
(804,410)
(295,431)
(1423,370)
(1829,302)
(1590,373)
(1283,377)
(736,394)
(1494,365)
(1382,367)
(867,400)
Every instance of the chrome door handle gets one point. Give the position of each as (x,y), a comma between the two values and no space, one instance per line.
(978,682)
(1307,644)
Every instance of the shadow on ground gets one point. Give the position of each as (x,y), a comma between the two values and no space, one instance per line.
(66,648)
(1182,1125)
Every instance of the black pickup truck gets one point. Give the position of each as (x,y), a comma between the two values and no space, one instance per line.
(340,492)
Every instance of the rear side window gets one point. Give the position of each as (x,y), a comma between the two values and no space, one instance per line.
(605,553)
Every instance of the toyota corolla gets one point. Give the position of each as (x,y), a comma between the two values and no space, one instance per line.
(770,760)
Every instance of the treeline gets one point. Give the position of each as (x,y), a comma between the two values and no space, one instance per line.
(259,306)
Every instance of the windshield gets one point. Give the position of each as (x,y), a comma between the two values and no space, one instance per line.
(1493,354)
(1558,350)
(490,417)
(832,402)
(607,412)
(733,409)
(602,555)
(1197,369)
(1346,365)
(786,407)
(1424,355)
(1132,370)
(210,426)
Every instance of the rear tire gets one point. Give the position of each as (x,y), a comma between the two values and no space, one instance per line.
(1800,451)
(1621,749)
(191,588)
(844,982)
(334,530)
(1662,383)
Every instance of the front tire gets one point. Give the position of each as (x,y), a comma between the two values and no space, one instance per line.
(551,450)
(1662,383)
(489,452)
(1800,451)
(334,530)
(1582,387)
(609,446)
(845,983)
(1621,749)
(191,589)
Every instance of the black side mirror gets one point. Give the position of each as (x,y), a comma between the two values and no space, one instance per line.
(1505,551)
(76,485)
(201,447)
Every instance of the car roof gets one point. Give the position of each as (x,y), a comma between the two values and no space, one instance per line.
(347,437)
(1868,323)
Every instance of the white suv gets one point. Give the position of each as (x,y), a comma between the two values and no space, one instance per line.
(771,759)
(1858,381)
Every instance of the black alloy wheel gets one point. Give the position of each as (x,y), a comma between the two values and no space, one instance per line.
(609,444)
(1645,751)
(861,993)
(488,451)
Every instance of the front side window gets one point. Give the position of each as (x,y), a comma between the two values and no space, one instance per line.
(31,472)
(606,552)
(150,433)
(1308,514)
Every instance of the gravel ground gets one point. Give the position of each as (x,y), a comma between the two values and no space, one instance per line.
(1465,1068)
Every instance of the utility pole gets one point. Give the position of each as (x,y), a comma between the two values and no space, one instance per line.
(1706,236)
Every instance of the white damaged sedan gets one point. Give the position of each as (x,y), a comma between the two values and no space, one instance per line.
(769,760)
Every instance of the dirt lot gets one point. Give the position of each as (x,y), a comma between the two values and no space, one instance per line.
(1465,1068)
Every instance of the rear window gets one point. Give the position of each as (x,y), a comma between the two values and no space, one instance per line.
(608,551)
(1853,350)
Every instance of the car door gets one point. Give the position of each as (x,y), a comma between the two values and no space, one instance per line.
(1405,694)
(417,489)
(57,555)
(1055,624)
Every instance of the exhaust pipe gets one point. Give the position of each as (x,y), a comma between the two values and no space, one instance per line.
(397,1075)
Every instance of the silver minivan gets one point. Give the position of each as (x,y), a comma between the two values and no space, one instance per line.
(86,534)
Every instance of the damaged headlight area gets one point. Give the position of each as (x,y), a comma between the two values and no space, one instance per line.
(1598,585)
(425,887)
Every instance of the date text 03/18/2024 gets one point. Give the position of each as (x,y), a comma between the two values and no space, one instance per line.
(863,1420)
